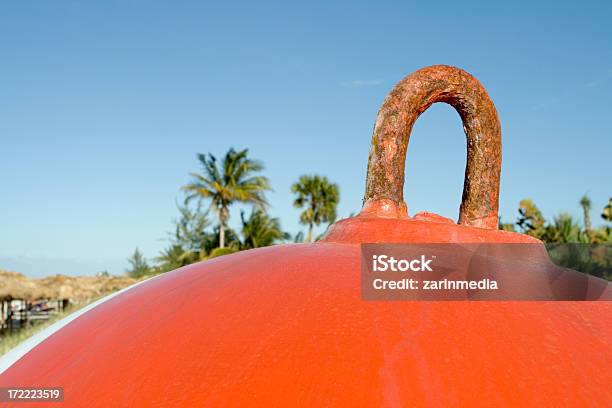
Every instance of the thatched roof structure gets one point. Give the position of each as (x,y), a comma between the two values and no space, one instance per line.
(81,288)
(14,285)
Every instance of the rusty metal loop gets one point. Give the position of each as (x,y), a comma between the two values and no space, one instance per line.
(410,98)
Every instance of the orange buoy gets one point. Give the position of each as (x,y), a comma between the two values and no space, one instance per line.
(287,326)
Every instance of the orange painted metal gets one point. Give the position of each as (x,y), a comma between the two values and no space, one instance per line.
(286,326)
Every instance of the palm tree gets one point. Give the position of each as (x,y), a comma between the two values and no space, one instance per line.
(585,203)
(234,181)
(259,230)
(320,199)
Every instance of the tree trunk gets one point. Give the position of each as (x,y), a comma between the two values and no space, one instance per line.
(223,216)
(221,236)
(587,220)
(309,236)
(587,225)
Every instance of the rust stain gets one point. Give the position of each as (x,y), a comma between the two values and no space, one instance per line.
(400,110)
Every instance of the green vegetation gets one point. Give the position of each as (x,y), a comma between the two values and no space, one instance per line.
(592,259)
(139,266)
(235,181)
(563,228)
(260,230)
(221,251)
(190,242)
(319,197)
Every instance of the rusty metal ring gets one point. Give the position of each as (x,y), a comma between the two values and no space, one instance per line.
(410,98)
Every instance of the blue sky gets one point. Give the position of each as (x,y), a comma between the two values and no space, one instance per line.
(105,104)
